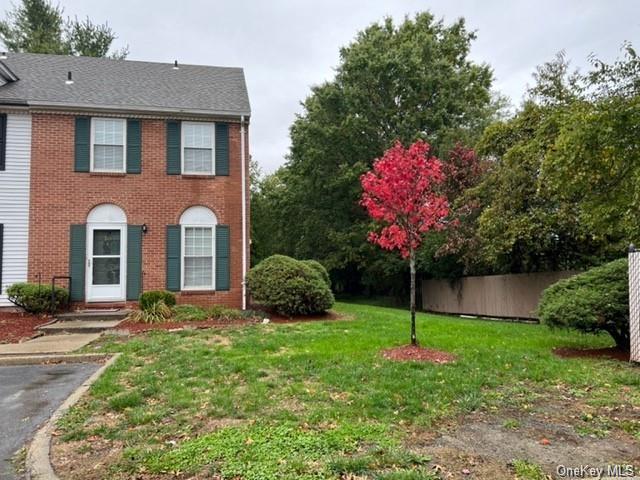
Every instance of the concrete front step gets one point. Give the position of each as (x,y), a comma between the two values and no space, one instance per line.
(94,315)
(79,326)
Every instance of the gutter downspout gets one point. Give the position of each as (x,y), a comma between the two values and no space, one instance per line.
(244,213)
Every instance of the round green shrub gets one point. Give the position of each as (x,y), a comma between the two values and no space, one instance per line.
(36,298)
(318,267)
(594,301)
(148,299)
(289,286)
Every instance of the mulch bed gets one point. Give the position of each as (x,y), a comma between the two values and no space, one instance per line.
(418,354)
(17,326)
(612,353)
(135,327)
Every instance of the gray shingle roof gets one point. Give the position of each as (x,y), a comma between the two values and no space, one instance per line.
(124,84)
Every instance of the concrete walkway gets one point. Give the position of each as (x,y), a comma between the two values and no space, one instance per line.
(49,344)
(29,394)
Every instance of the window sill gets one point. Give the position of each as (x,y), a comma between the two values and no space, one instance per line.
(107,174)
(195,175)
(197,292)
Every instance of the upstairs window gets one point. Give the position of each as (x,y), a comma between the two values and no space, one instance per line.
(108,140)
(198,140)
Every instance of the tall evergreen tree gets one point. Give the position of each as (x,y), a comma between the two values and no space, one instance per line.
(38,26)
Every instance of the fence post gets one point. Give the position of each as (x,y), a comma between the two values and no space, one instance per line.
(634,303)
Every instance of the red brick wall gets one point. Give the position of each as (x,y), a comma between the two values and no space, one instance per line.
(61,197)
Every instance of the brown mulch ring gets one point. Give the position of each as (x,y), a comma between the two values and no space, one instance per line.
(18,326)
(611,353)
(418,354)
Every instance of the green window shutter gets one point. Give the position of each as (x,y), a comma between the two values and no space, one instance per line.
(173,148)
(222,149)
(134,146)
(134,261)
(82,142)
(173,257)
(77,257)
(222,257)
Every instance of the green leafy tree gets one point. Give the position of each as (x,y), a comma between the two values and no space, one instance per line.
(563,179)
(38,26)
(394,82)
(595,156)
(517,224)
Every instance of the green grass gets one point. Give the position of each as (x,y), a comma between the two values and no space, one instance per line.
(526,470)
(316,400)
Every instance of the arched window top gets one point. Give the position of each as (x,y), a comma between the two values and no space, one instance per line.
(198,216)
(107,213)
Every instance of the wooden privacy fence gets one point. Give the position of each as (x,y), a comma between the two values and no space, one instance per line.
(505,296)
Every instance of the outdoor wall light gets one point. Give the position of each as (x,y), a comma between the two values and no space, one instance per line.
(144,228)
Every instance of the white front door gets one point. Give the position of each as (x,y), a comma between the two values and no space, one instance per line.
(106,262)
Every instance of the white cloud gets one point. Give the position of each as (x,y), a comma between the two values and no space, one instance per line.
(285,46)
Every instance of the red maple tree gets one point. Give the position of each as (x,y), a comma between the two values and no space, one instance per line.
(401,192)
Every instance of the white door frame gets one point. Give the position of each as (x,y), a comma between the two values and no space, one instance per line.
(105,293)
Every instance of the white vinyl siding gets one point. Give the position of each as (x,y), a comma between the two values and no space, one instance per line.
(108,141)
(198,140)
(14,202)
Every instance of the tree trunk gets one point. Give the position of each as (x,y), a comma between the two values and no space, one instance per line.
(412,268)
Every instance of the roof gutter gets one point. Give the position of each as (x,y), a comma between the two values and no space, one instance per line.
(243,170)
(139,109)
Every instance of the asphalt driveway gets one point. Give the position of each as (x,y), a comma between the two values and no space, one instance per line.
(29,394)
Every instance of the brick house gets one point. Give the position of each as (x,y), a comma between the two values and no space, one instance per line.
(126,176)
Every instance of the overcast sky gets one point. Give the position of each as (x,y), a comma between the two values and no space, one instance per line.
(286,46)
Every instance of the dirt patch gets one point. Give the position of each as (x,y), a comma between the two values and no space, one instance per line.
(16,327)
(451,463)
(552,433)
(612,353)
(418,354)
(85,459)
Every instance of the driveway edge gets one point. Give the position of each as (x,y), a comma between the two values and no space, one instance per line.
(52,358)
(38,463)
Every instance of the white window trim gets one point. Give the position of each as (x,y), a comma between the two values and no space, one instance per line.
(183,229)
(124,146)
(213,149)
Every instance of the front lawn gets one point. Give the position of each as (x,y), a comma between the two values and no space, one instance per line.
(316,400)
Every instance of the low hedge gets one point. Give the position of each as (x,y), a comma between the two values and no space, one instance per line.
(150,298)
(290,286)
(594,301)
(36,298)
